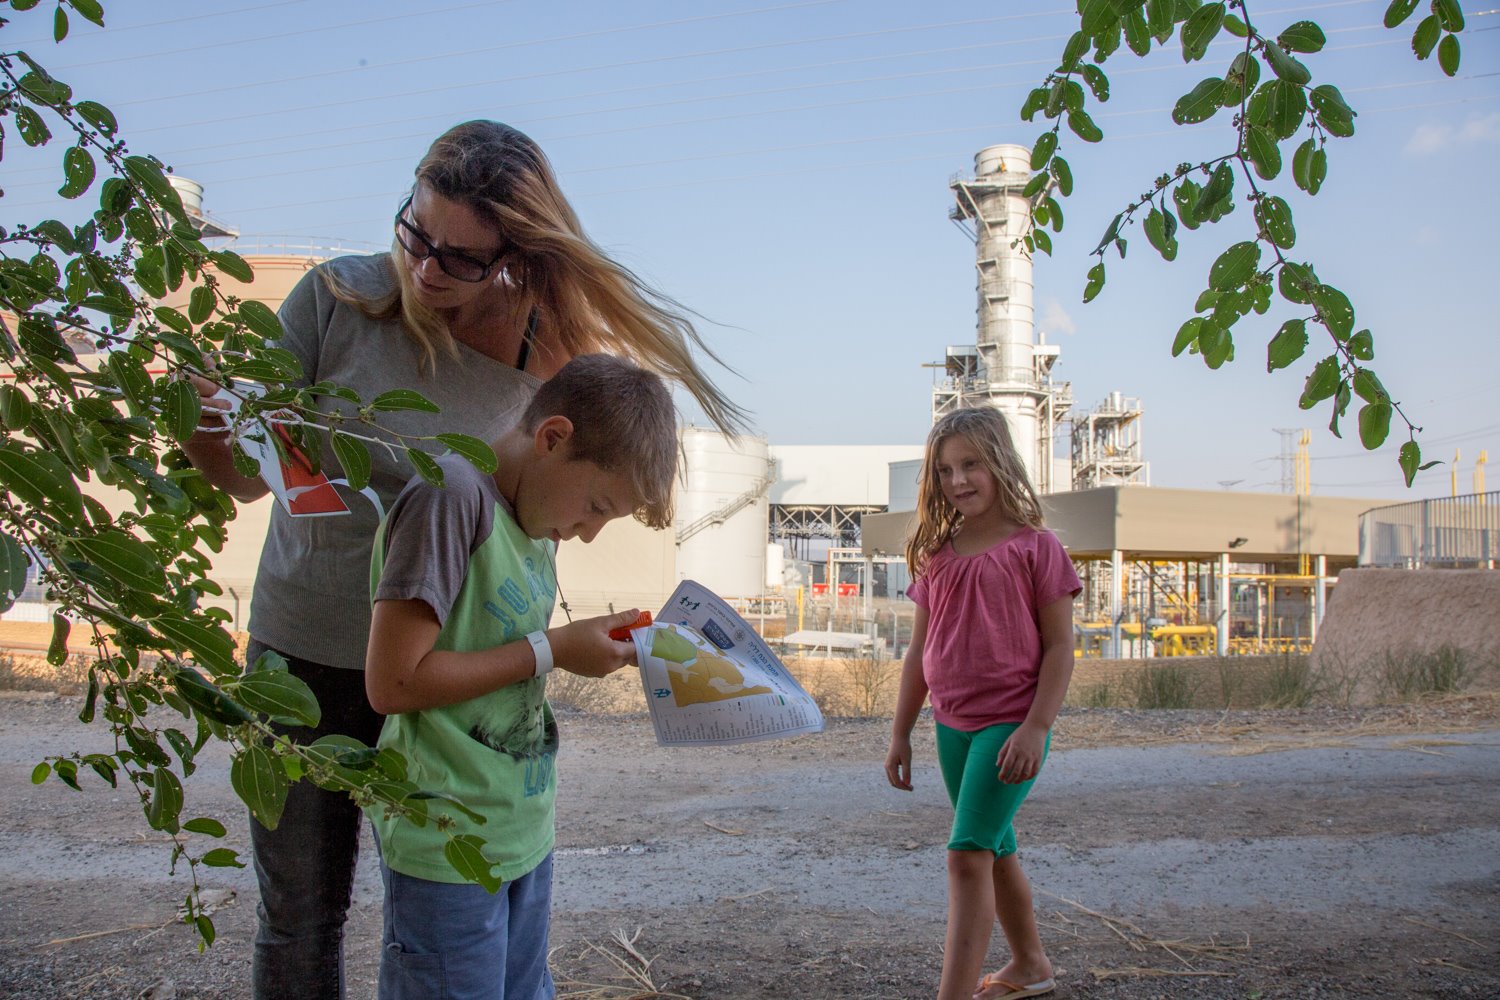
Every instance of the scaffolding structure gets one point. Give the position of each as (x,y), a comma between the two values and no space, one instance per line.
(1107,448)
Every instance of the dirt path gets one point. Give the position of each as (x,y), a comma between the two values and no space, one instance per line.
(1362,861)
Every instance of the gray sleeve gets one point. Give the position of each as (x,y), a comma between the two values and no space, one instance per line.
(432,533)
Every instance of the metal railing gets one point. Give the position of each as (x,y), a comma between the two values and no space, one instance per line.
(1447,532)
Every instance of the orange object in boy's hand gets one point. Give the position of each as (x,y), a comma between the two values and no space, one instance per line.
(622,634)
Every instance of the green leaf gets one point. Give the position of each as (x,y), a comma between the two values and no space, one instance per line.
(1426,36)
(1367,385)
(1187,335)
(1083,126)
(181,406)
(33,129)
(200,304)
(98,116)
(1450,13)
(403,399)
(1218,190)
(1302,36)
(1362,345)
(1340,407)
(1448,55)
(1333,112)
(1185,197)
(425,466)
(1041,241)
(123,558)
(1199,29)
(1374,424)
(1243,75)
(1302,163)
(1410,460)
(78,171)
(1288,102)
(1234,266)
(1274,217)
(1111,233)
(222,857)
(1035,185)
(1215,344)
(1321,383)
(1399,11)
(212,647)
(1097,81)
(13,569)
(57,648)
(1074,50)
(1063,174)
(1236,27)
(166,801)
(205,825)
(59,24)
(15,407)
(1285,66)
(465,855)
(1159,19)
(281,695)
(259,317)
(1137,33)
(40,773)
(354,459)
(1046,145)
(1317,170)
(233,265)
(1035,101)
(1334,310)
(131,375)
(1287,346)
(41,480)
(1201,104)
(1264,152)
(261,784)
(1095,282)
(200,693)
(44,89)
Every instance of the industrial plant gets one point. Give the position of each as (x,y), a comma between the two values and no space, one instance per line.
(807,540)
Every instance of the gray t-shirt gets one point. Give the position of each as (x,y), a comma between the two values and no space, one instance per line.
(312,593)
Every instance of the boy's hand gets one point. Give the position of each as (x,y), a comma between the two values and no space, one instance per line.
(898,763)
(585,648)
(1020,758)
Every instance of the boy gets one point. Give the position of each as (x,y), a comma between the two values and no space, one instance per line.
(459,651)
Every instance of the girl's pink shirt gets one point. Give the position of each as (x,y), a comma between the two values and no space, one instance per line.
(983,652)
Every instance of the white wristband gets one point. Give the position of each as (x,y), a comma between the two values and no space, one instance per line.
(543,650)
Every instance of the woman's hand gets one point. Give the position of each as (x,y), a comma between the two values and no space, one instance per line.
(1021,757)
(898,763)
(212,422)
(585,648)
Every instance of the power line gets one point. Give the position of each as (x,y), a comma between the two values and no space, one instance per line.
(426,13)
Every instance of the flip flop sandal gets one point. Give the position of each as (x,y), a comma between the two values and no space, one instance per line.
(1011,991)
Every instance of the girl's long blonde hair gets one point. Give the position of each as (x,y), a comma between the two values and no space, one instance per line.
(582,298)
(986,429)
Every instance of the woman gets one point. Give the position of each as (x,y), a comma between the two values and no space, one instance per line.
(490,287)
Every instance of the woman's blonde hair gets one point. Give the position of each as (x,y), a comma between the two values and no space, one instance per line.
(986,429)
(585,300)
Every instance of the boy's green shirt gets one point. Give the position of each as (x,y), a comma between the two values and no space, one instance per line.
(459,549)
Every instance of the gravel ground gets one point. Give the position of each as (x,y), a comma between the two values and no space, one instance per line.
(1311,853)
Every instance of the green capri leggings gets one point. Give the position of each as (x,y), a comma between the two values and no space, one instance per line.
(983,805)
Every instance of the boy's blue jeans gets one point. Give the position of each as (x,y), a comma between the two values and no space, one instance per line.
(457,941)
(305,867)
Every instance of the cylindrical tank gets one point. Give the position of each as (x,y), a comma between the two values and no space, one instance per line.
(722,512)
(275,276)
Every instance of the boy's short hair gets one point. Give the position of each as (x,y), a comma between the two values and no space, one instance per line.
(623,419)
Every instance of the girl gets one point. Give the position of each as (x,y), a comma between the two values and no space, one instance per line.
(993,645)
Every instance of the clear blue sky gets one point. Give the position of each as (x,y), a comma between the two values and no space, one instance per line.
(783,170)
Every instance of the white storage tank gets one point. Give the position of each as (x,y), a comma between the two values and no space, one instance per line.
(723,511)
